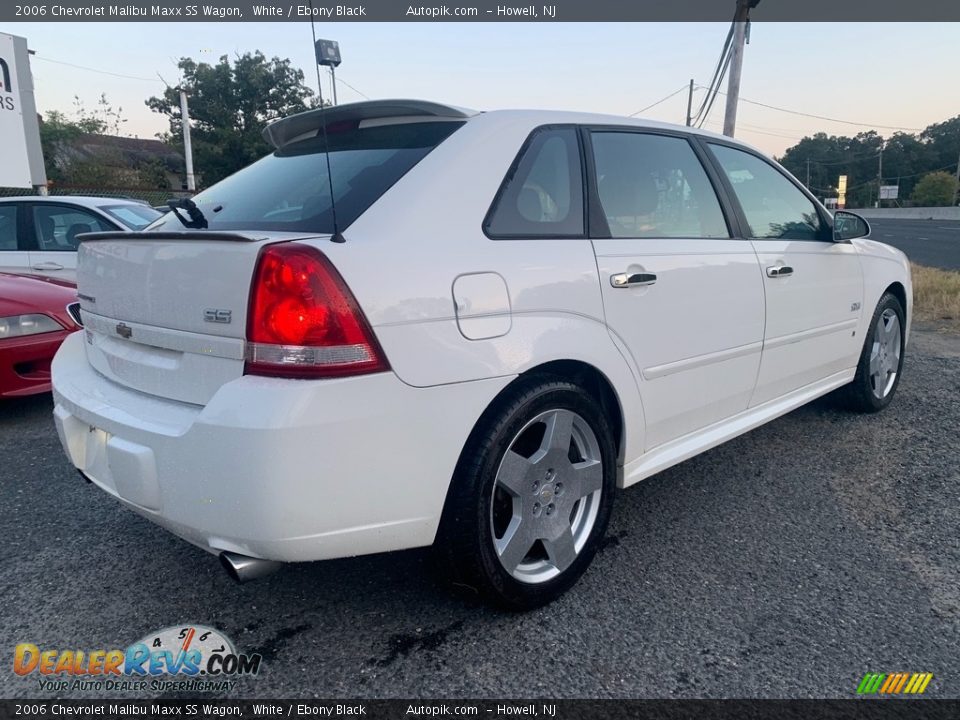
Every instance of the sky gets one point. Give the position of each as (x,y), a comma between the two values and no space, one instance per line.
(870,74)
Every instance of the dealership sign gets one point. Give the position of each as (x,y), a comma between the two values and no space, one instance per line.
(21,162)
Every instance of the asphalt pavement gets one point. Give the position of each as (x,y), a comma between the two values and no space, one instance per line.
(785,563)
(927,242)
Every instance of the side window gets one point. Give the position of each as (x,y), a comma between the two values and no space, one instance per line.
(653,186)
(774,206)
(57,226)
(8,226)
(543,194)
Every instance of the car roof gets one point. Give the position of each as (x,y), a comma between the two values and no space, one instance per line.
(294,127)
(88,201)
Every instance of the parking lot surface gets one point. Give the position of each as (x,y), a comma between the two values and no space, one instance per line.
(785,563)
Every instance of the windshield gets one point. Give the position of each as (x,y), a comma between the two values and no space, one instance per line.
(135,217)
(289,189)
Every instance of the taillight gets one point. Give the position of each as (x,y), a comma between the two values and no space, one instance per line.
(303,321)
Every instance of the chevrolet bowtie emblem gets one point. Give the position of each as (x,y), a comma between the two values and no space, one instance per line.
(124,330)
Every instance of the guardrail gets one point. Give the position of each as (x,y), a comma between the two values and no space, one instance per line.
(915,213)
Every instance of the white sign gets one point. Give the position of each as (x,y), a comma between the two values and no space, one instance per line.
(889,192)
(21,161)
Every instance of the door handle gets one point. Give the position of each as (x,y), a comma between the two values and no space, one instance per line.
(779,271)
(623,280)
(48,266)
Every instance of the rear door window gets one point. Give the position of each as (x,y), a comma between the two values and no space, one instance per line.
(654,186)
(542,196)
(57,226)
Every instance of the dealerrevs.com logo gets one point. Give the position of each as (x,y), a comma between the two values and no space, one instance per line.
(186,658)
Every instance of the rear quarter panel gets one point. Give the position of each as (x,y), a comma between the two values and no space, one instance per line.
(402,256)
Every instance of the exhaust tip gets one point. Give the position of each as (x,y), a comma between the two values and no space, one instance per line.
(244,569)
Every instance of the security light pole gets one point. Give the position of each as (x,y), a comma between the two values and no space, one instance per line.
(328,54)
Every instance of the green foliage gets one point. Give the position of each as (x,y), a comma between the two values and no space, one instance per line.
(935,189)
(230,103)
(906,158)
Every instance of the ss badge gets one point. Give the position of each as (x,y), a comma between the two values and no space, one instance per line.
(217,316)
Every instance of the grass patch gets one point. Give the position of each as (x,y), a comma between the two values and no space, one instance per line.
(936,296)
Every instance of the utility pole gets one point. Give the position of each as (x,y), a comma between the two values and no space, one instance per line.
(690,103)
(333,82)
(741,20)
(808,173)
(187,147)
(879,172)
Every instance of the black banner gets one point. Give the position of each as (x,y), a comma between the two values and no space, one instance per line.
(474,11)
(541,709)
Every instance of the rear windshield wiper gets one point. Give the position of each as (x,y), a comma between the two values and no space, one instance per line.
(196,221)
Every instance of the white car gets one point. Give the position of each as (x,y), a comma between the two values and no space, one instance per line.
(503,318)
(38,234)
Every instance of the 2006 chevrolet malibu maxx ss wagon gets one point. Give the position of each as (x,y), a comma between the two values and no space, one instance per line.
(414,324)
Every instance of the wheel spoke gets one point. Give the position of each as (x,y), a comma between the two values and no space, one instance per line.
(876,364)
(513,472)
(588,478)
(894,347)
(561,550)
(514,545)
(559,431)
(884,329)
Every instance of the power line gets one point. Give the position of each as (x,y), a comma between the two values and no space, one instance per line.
(713,97)
(822,117)
(344,82)
(90,69)
(719,71)
(663,99)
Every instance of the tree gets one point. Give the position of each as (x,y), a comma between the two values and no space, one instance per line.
(935,189)
(229,106)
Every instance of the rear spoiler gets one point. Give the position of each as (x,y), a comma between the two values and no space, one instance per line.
(280,132)
(172,235)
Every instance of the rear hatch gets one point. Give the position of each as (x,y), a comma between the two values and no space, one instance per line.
(165,310)
(167,315)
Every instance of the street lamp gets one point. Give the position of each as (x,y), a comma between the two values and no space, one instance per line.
(328,53)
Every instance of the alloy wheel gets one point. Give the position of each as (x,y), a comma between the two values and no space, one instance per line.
(546,496)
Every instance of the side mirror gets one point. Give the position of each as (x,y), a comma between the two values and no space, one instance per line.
(849,226)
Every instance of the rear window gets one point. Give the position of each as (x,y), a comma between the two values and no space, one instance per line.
(289,190)
(135,217)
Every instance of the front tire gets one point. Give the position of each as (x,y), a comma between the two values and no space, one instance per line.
(531,496)
(881,360)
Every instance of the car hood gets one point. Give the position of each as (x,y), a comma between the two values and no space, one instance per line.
(21,294)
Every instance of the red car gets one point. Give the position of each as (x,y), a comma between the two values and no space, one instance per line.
(34,320)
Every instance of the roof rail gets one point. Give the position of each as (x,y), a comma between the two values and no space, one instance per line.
(280,132)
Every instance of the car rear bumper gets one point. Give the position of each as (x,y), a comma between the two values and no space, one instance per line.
(25,363)
(278,469)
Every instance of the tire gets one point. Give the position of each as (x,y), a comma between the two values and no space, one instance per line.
(527,508)
(881,360)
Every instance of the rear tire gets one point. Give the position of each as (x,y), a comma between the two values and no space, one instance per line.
(881,360)
(531,496)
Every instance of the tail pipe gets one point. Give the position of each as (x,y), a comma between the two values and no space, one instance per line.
(243,568)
